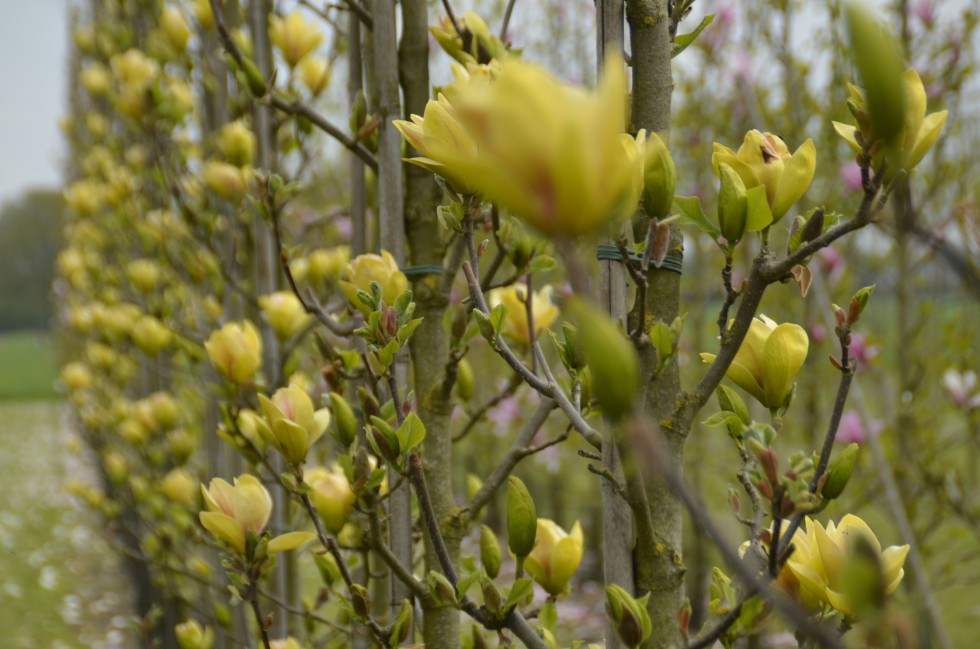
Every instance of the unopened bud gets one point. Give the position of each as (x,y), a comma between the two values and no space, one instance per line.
(522,518)
(840,471)
(489,551)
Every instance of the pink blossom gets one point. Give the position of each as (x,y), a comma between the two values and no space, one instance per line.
(818,333)
(925,11)
(861,350)
(962,388)
(832,262)
(853,431)
(850,177)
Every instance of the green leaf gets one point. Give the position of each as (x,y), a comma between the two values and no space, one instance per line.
(387,355)
(485,325)
(520,590)
(683,41)
(466,582)
(720,418)
(730,400)
(497,317)
(693,214)
(541,263)
(406,330)
(411,432)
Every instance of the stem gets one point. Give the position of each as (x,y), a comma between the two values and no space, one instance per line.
(257,610)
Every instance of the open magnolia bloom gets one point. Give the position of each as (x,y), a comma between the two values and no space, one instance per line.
(381,269)
(919,131)
(549,153)
(555,556)
(766,364)
(763,159)
(515,324)
(291,424)
(294,36)
(235,510)
(828,561)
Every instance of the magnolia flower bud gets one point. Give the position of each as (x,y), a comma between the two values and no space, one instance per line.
(489,552)
(556,556)
(346,421)
(659,176)
(332,496)
(236,142)
(521,518)
(366,269)
(292,425)
(839,472)
(179,486)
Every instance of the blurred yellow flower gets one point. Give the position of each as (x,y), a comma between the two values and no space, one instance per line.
(919,131)
(236,351)
(331,495)
(515,324)
(285,313)
(552,154)
(294,36)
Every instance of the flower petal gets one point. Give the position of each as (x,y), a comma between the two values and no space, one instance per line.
(225,528)
(290,541)
(782,357)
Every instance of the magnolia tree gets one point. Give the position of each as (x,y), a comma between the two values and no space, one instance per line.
(278,354)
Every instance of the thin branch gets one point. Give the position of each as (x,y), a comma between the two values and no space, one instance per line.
(518,451)
(477,416)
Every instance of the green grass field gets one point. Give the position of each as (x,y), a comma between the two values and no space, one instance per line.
(28,368)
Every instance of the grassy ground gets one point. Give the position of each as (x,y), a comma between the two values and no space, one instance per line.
(27,366)
(60,585)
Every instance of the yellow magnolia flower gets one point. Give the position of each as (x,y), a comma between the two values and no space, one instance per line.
(555,556)
(919,131)
(439,135)
(76,376)
(382,269)
(95,78)
(285,313)
(203,14)
(314,72)
(550,153)
(235,510)
(515,324)
(766,364)
(763,159)
(236,351)
(825,556)
(178,485)
(331,495)
(175,30)
(291,424)
(226,180)
(134,70)
(150,335)
(144,273)
(469,41)
(237,143)
(294,36)
(327,265)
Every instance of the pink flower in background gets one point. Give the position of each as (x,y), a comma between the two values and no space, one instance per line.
(717,33)
(850,177)
(504,414)
(925,11)
(861,351)
(832,262)
(934,91)
(818,333)
(852,430)
(962,388)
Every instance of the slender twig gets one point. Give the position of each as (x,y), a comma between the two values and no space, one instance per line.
(507,14)
(330,545)
(647,443)
(846,377)
(518,451)
(293,107)
(513,619)
(477,415)
(730,296)
(259,620)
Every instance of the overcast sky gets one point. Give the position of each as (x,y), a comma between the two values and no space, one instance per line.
(32,60)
